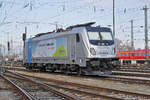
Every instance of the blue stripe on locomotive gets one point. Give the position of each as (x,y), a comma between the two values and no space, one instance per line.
(29,56)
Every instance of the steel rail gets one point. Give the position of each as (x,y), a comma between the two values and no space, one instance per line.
(89,87)
(94,94)
(135,67)
(16,68)
(136,74)
(47,87)
(134,70)
(128,79)
(21,91)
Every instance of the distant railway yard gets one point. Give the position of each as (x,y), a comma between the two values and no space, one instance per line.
(129,83)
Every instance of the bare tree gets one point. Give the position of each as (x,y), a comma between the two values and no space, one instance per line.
(126,46)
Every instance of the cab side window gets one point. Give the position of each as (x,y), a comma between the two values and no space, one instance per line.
(77,38)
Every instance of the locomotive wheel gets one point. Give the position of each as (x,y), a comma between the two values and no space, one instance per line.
(67,71)
(43,69)
(79,72)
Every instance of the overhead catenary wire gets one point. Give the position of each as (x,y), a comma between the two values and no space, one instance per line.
(101,10)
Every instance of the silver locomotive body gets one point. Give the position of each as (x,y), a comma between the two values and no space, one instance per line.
(83,50)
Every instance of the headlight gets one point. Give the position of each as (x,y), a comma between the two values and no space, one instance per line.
(114,51)
(92,51)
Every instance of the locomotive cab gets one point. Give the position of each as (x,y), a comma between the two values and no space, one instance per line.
(101,55)
(102,44)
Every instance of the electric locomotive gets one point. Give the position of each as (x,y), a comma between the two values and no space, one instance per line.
(81,49)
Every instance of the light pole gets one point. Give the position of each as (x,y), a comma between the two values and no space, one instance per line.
(132,39)
(146,31)
(114,18)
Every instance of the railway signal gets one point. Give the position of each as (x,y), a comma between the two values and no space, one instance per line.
(8,46)
(24,38)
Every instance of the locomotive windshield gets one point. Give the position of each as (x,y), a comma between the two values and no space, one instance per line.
(100,36)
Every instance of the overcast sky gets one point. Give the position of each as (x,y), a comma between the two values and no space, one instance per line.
(42,15)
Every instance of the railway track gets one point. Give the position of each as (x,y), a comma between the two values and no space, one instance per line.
(9,87)
(32,90)
(14,68)
(123,76)
(134,70)
(82,93)
(24,95)
(10,91)
(128,73)
(90,91)
(126,69)
(129,79)
(135,67)
(125,72)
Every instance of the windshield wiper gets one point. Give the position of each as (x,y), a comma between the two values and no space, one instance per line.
(100,36)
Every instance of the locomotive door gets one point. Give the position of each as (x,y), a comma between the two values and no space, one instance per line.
(80,57)
(72,48)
